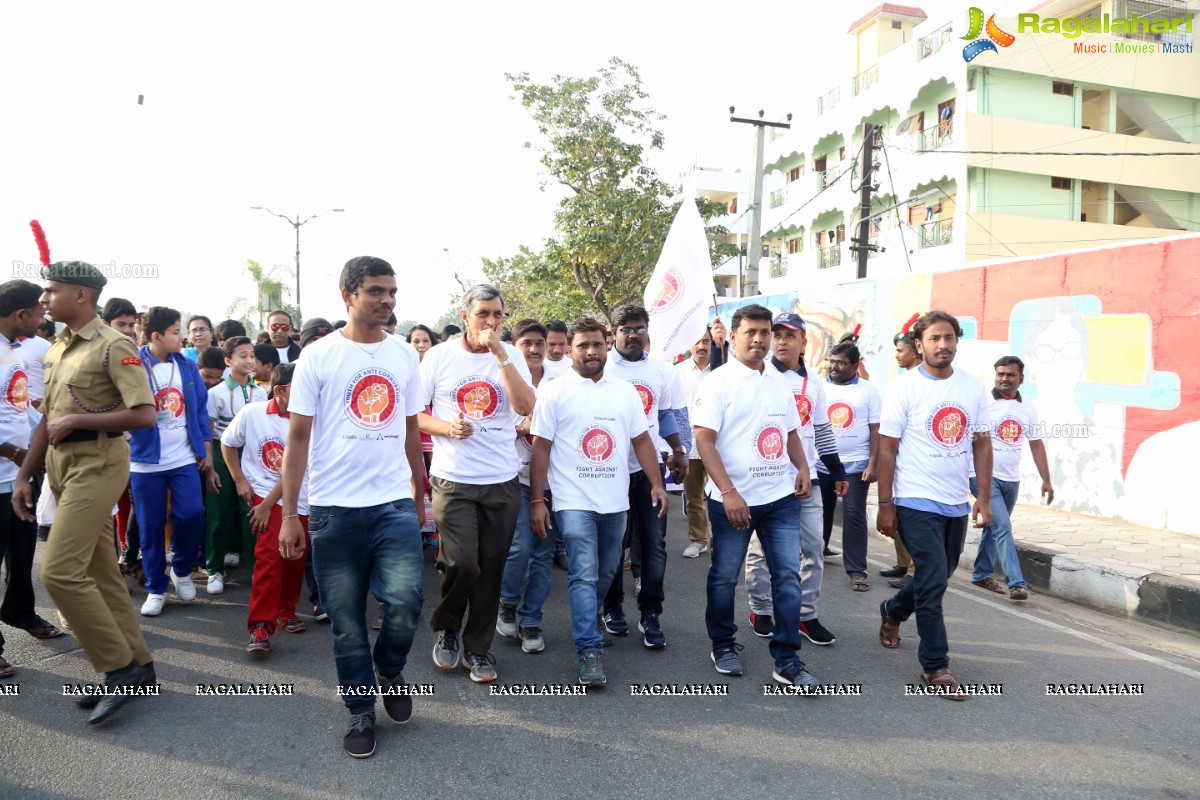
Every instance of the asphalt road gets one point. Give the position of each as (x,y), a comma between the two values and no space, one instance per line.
(464,743)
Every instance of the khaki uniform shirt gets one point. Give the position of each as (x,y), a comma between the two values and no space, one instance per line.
(93,370)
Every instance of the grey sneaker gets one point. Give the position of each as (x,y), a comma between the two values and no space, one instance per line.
(796,675)
(445,650)
(531,640)
(359,741)
(591,668)
(506,621)
(727,660)
(482,667)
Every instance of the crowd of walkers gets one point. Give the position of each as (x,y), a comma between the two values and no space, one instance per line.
(325,458)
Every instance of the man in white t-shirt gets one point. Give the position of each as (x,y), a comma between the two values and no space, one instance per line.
(646,531)
(817,437)
(854,408)
(280,327)
(934,421)
(690,373)
(354,402)
(526,581)
(747,432)
(585,427)
(1011,420)
(479,387)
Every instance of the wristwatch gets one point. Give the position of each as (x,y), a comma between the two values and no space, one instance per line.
(505,363)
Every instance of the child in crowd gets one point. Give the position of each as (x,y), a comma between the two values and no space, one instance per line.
(261,429)
(228,523)
(266,359)
(212,366)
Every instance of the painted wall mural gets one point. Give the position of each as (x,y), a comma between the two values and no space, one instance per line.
(1107,337)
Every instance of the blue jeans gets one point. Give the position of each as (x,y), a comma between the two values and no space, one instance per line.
(593,558)
(854,520)
(529,562)
(777,525)
(376,548)
(935,543)
(149,491)
(997,539)
(646,532)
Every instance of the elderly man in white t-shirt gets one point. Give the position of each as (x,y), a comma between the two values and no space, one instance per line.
(479,388)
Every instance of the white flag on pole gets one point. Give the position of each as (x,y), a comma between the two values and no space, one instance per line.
(681,287)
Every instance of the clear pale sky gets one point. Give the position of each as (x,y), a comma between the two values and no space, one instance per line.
(399,114)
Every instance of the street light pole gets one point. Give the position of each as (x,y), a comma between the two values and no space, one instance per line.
(296,223)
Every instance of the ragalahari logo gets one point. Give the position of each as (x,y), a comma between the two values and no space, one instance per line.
(976,27)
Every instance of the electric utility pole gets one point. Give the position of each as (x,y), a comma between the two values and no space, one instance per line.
(754,253)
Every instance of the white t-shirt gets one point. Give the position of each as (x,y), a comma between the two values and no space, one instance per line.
(262,431)
(456,380)
(227,398)
(174,447)
(690,377)
(752,413)
(853,408)
(1012,422)
(359,396)
(525,443)
(556,369)
(592,425)
(809,396)
(934,421)
(283,354)
(33,351)
(656,385)
(14,406)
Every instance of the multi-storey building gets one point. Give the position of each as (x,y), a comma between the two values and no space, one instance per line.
(1044,141)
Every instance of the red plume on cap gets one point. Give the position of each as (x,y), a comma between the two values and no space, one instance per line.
(908,325)
(39,236)
(857,328)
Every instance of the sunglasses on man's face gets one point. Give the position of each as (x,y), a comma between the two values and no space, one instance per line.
(280,326)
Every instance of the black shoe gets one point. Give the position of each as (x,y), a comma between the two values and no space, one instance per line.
(651,630)
(893,572)
(762,624)
(43,532)
(359,741)
(900,582)
(397,706)
(560,561)
(130,677)
(89,701)
(614,622)
(815,632)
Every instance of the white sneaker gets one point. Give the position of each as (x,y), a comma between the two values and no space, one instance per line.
(216,583)
(153,605)
(184,587)
(694,549)
(232,560)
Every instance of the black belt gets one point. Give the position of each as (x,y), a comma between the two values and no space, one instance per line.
(79,435)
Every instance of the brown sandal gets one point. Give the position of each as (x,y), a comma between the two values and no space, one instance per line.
(942,679)
(889,629)
(859,583)
(6,669)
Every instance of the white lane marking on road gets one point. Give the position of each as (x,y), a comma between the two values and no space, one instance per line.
(1087,637)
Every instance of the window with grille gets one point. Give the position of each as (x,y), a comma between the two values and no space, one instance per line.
(1067,89)
(795,173)
(1060,183)
(795,245)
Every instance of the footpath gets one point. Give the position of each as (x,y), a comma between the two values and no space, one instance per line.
(1110,565)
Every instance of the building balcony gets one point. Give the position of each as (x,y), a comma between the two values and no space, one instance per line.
(934,42)
(829,101)
(935,234)
(778,198)
(778,267)
(829,256)
(936,136)
(864,80)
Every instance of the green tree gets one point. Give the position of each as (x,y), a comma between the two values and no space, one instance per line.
(595,134)
(269,284)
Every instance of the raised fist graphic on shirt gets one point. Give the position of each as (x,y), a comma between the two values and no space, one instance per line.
(371,402)
(476,402)
(950,428)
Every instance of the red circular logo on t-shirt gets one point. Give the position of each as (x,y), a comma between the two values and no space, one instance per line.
(16,390)
(804,409)
(597,445)
(645,394)
(670,290)
(477,398)
(270,455)
(947,425)
(841,416)
(769,444)
(371,399)
(171,399)
(1009,431)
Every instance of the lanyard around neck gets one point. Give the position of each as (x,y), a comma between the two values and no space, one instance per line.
(157,387)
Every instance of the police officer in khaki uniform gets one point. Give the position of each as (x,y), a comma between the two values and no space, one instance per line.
(96,388)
